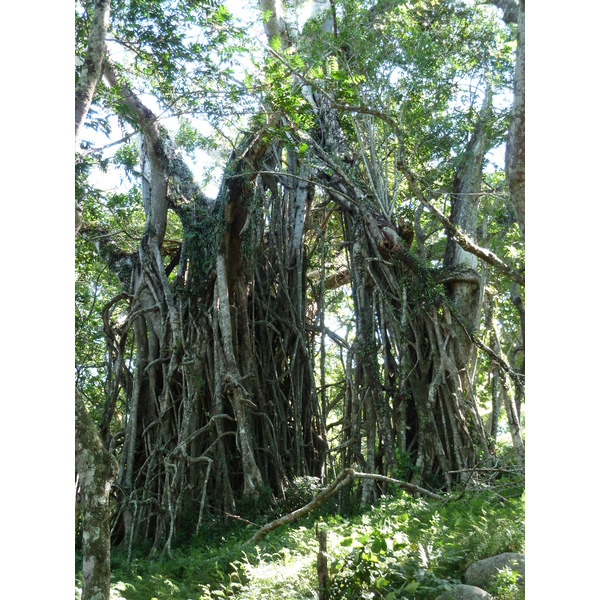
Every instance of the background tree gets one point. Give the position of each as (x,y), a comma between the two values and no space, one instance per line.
(93,462)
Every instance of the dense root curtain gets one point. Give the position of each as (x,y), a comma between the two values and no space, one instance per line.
(226,390)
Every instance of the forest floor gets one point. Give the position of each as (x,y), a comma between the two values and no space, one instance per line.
(401,548)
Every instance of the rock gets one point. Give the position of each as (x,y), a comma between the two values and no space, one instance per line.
(483,572)
(465,592)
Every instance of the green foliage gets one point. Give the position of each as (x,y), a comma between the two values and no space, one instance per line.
(505,586)
(404,467)
(94,287)
(402,548)
(128,156)
(202,232)
(413,549)
(283,94)
(189,139)
(300,492)
(257,507)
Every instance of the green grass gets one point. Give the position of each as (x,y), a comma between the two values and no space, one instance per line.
(402,548)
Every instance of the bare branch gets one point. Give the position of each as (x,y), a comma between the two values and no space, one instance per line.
(343,479)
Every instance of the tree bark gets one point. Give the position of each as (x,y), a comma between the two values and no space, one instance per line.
(322,575)
(465,203)
(233,385)
(91,71)
(92,64)
(96,471)
(509,9)
(512,416)
(94,465)
(276,25)
(515,145)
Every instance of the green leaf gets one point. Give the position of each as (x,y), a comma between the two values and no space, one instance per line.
(346,542)
(412,586)
(332,63)
(379,545)
(275,43)
(369,557)
(222,15)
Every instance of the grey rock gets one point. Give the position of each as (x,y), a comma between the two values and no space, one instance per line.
(465,592)
(483,572)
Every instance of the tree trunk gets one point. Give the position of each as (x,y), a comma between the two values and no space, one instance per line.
(234,388)
(225,351)
(94,465)
(96,471)
(322,576)
(91,71)
(514,12)
(92,64)
(512,416)
(515,145)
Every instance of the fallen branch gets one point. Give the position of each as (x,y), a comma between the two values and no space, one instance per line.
(343,479)
(407,487)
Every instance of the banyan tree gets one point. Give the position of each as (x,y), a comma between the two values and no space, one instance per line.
(359,177)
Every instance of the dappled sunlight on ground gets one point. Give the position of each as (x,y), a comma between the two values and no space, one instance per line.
(283,575)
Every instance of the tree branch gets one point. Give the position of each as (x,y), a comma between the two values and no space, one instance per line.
(454,232)
(509,9)
(343,479)
(92,64)
(463,240)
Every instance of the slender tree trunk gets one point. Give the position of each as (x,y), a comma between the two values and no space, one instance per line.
(96,472)
(92,64)
(368,487)
(465,203)
(93,463)
(515,145)
(322,575)
(512,416)
(89,76)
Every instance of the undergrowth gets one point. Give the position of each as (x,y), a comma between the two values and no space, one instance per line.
(403,548)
